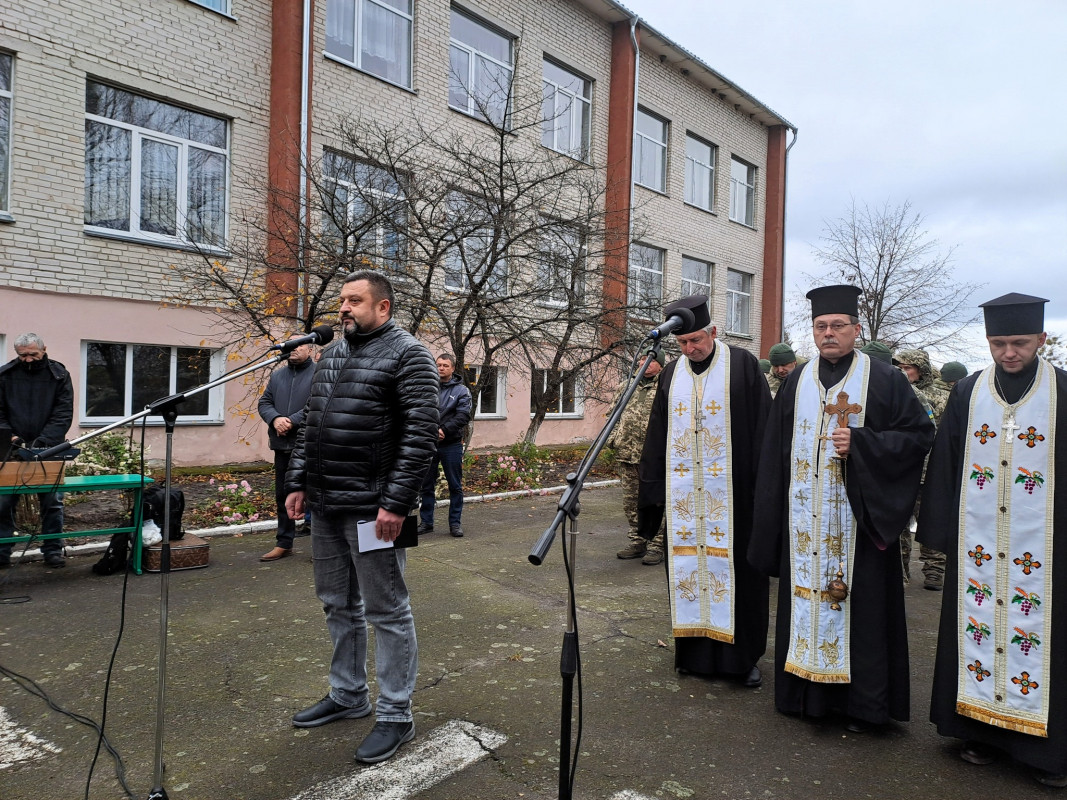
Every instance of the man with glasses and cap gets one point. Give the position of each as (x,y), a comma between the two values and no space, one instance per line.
(697,469)
(991,505)
(838,476)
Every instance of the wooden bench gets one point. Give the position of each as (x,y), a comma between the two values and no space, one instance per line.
(90,483)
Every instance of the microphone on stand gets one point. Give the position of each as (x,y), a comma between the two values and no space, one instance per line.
(680,318)
(320,334)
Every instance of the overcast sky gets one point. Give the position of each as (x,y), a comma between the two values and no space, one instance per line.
(958,107)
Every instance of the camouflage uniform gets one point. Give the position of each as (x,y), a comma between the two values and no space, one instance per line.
(933,396)
(628,440)
(773,382)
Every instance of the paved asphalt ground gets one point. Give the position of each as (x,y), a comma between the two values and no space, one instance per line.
(248,648)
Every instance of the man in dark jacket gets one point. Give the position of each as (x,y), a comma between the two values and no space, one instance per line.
(454,406)
(369,433)
(37,408)
(282,408)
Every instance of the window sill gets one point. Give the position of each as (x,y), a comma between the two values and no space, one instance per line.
(5,217)
(489,417)
(743,224)
(122,236)
(747,336)
(151,423)
(482,120)
(338,60)
(579,159)
(701,208)
(223,14)
(661,192)
(552,417)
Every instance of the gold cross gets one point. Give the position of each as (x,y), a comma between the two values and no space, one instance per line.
(681,469)
(713,407)
(680,409)
(805,426)
(715,469)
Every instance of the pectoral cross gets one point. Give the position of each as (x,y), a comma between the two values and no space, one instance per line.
(842,409)
(1010,425)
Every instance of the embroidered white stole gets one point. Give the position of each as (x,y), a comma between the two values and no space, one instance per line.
(1004,606)
(822,530)
(700,536)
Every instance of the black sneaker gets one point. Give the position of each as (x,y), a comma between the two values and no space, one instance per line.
(326,710)
(384,739)
(424,528)
(456,531)
(55,560)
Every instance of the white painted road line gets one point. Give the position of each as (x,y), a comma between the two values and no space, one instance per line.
(18,744)
(448,749)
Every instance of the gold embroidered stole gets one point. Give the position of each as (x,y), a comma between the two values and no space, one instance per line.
(700,537)
(822,531)
(1004,605)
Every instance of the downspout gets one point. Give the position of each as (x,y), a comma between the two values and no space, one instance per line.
(785,211)
(633,132)
(305,138)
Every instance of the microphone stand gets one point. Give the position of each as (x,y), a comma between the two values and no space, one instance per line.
(167,407)
(569,508)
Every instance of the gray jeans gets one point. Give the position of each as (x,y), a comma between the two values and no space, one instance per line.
(356,588)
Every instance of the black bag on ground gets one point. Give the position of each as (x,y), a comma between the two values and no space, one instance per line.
(153,508)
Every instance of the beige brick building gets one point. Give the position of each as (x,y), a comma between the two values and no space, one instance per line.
(137,138)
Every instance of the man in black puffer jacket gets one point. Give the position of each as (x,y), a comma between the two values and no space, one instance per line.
(370,431)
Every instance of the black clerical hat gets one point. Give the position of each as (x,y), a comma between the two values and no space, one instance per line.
(840,299)
(698,304)
(1014,314)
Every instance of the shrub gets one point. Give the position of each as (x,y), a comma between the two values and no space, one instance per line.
(233,503)
(108,454)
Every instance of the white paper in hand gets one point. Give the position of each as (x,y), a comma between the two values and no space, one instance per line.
(368,539)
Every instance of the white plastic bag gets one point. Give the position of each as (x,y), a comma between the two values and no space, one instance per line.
(150,534)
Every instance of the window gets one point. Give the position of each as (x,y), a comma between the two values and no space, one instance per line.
(645,289)
(154,170)
(480,69)
(6,99)
(699,173)
(566,109)
(738,301)
(489,402)
(561,267)
(650,151)
(742,192)
(696,277)
(472,263)
(364,212)
(222,6)
(121,379)
(558,391)
(382,29)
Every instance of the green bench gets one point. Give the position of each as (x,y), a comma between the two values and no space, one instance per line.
(91,483)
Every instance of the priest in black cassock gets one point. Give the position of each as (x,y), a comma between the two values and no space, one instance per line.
(835,488)
(698,468)
(992,506)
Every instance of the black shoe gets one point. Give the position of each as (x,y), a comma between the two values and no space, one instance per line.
(324,711)
(384,740)
(456,531)
(858,725)
(424,528)
(55,560)
(753,680)
(5,562)
(977,753)
(1053,779)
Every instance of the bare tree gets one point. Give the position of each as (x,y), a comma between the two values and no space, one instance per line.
(910,297)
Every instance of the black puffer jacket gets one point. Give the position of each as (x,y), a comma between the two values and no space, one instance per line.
(371,426)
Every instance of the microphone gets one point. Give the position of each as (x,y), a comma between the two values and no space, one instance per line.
(321,334)
(681,318)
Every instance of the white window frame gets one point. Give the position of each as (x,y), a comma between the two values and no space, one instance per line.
(576,389)
(475,58)
(501,410)
(338,10)
(471,244)
(394,266)
(552,280)
(697,169)
(7,96)
(565,102)
(642,143)
(641,266)
(214,395)
(742,192)
(140,135)
(219,6)
(690,285)
(739,303)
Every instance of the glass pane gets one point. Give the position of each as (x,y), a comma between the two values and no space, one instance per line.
(492,85)
(548,114)
(5,148)
(487,396)
(734,280)
(568,404)
(341,29)
(105,380)
(651,126)
(206,222)
(566,80)
(107,176)
(567,135)
(586,115)
(458,78)
(194,369)
(159,188)
(739,171)
(400,5)
(385,44)
(481,38)
(151,375)
(696,149)
(5,72)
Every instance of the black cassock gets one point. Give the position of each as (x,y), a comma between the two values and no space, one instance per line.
(884,468)
(939,528)
(749,399)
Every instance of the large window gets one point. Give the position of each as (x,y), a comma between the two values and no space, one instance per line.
(363,212)
(222,6)
(480,69)
(650,151)
(738,302)
(121,379)
(696,277)
(559,393)
(567,109)
(6,98)
(472,262)
(645,287)
(490,401)
(372,35)
(561,267)
(699,173)
(153,170)
(742,192)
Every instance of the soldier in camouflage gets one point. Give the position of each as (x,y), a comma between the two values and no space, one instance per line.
(926,382)
(783,361)
(628,439)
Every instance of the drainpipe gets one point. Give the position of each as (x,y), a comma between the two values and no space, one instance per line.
(633,132)
(305,137)
(785,212)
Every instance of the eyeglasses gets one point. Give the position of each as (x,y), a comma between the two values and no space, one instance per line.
(836,327)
